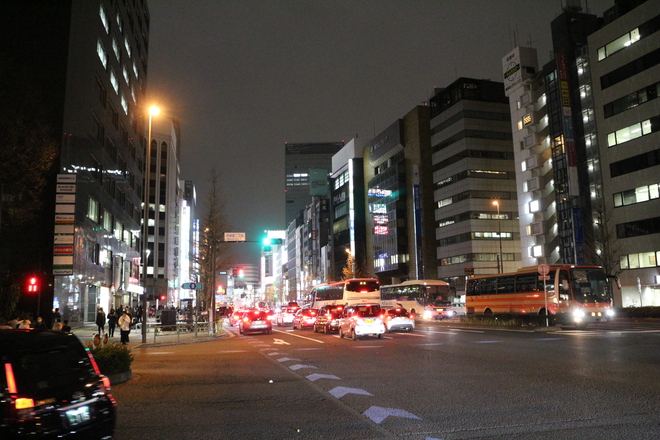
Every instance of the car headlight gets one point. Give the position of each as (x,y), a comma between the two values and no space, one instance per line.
(578,314)
(428,314)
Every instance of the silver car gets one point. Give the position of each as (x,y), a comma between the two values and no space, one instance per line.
(362,320)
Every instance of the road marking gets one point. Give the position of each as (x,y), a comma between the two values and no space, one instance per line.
(276,353)
(299,336)
(378,414)
(434,343)
(340,392)
(486,342)
(299,366)
(280,342)
(287,359)
(317,376)
(548,339)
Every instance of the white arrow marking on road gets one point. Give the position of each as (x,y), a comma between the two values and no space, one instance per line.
(299,366)
(317,376)
(280,342)
(287,359)
(340,392)
(378,413)
(274,354)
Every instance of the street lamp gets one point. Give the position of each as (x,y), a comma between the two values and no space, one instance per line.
(500,262)
(153,111)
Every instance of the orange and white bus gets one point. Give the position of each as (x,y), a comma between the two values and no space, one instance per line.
(352,291)
(576,295)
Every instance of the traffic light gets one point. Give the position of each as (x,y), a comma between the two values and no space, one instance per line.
(240,271)
(268,242)
(163,297)
(33,284)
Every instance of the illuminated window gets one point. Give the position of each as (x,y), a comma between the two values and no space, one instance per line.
(93,210)
(527,119)
(634,131)
(537,251)
(114,81)
(534,206)
(115,48)
(127,45)
(104,19)
(102,55)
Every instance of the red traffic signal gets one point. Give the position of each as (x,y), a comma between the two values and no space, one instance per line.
(33,284)
(163,297)
(241,272)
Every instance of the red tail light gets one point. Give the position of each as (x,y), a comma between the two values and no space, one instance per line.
(22,403)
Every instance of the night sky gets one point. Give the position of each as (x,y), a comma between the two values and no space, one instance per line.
(246,76)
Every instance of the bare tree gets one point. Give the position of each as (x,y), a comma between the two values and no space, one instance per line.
(602,247)
(213,253)
(354,270)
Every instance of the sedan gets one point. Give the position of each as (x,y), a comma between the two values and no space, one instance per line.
(286,315)
(255,321)
(51,387)
(304,318)
(328,319)
(398,319)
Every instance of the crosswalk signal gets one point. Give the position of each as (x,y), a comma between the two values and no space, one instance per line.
(33,284)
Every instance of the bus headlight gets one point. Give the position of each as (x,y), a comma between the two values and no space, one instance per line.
(428,314)
(578,314)
(610,313)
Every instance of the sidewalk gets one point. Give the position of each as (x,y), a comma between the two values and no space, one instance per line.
(165,335)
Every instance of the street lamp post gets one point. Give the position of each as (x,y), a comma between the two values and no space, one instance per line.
(153,111)
(500,262)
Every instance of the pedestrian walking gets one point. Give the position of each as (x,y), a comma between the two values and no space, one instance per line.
(100,320)
(124,323)
(112,322)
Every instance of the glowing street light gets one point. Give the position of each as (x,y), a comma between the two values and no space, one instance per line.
(153,111)
(500,262)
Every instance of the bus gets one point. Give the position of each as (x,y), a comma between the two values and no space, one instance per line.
(425,299)
(576,295)
(352,291)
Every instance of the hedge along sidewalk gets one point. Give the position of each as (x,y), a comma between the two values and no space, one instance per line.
(86,334)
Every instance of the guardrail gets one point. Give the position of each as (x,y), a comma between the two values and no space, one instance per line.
(181,330)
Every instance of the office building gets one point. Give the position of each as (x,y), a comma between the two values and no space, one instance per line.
(624,61)
(399,200)
(306,167)
(81,67)
(474,180)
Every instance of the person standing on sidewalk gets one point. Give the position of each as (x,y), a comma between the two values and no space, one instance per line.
(112,322)
(124,327)
(100,321)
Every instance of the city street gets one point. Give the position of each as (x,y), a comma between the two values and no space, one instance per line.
(438,382)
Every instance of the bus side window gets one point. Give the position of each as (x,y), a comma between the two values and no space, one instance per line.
(564,286)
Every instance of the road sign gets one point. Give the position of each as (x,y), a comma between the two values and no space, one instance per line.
(544,269)
(234,236)
(193,286)
(544,277)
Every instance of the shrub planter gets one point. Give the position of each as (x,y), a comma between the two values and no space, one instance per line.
(114,360)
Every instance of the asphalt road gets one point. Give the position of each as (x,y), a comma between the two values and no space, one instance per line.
(438,382)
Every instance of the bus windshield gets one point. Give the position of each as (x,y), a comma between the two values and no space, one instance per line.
(591,286)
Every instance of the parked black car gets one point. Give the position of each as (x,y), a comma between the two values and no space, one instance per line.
(51,387)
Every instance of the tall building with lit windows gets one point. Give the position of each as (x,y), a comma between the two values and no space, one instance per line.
(554,146)
(625,72)
(306,168)
(79,68)
(399,200)
(476,226)
(165,202)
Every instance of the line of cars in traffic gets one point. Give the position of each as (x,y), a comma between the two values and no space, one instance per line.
(352,321)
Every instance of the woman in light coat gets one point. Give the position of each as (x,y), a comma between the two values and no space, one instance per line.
(124,323)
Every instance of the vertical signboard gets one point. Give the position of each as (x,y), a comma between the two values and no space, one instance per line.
(65,209)
(569,138)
